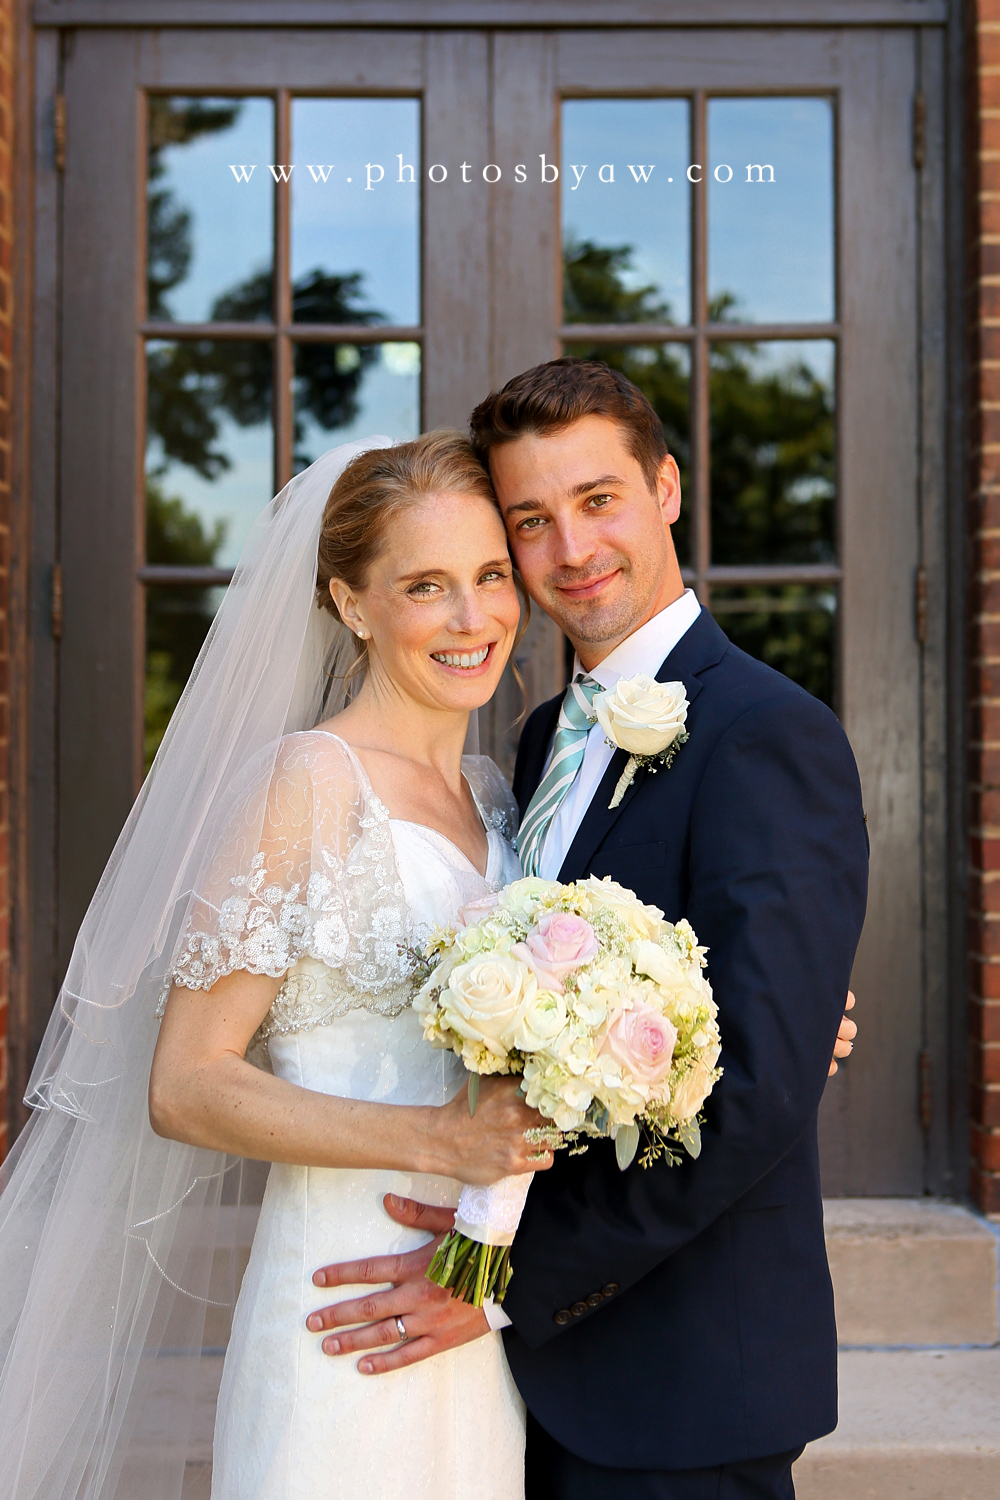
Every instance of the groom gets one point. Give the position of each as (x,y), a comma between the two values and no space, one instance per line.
(672,1329)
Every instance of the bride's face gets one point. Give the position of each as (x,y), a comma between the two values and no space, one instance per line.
(440,608)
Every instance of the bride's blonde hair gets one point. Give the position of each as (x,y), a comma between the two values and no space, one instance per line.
(373,488)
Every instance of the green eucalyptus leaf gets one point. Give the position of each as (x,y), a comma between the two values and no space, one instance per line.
(689,1136)
(626,1145)
(473,1092)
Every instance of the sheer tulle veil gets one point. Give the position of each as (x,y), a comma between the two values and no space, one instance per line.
(119,1250)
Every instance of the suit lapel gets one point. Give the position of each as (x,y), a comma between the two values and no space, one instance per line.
(699,648)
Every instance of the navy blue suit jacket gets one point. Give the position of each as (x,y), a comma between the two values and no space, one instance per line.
(709,1333)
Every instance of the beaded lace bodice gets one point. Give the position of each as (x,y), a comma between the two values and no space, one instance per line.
(305,884)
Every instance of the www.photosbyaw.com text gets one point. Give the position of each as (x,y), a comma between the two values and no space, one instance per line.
(405,172)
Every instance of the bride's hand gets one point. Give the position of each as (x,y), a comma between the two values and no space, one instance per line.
(490,1144)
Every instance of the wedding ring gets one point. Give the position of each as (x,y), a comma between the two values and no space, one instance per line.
(400,1329)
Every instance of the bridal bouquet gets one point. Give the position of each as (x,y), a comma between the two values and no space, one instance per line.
(600,1005)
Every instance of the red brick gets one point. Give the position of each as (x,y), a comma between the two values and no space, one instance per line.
(985,1064)
(984,1189)
(984,1018)
(989,135)
(986,1108)
(986,1149)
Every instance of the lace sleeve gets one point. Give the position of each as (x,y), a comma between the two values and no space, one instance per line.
(495,798)
(306,870)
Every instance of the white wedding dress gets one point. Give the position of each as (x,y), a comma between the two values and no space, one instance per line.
(294,1423)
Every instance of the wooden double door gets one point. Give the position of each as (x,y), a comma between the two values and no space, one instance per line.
(252,244)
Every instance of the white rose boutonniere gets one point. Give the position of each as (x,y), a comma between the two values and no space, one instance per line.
(647,719)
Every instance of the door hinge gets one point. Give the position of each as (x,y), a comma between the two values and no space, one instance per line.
(57,602)
(59,132)
(919,130)
(926,1099)
(920,606)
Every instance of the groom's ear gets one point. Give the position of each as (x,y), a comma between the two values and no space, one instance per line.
(668,489)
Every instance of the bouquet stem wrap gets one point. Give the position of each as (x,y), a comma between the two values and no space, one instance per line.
(474,1259)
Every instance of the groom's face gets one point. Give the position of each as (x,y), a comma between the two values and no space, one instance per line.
(589,535)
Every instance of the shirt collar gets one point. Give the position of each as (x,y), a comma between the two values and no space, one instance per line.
(646,649)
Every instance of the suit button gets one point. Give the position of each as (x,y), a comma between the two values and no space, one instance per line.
(578,1309)
(610,1289)
(595,1299)
(563,1316)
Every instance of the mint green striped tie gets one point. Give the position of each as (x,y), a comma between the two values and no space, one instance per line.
(572,728)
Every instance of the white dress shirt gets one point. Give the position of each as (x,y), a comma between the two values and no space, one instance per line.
(643,651)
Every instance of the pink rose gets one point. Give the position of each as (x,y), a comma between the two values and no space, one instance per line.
(477,910)
(558,943)
(643,1042)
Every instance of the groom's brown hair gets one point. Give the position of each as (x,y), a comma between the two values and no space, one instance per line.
(550,396)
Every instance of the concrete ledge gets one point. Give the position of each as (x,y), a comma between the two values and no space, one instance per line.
(913,1424)
(911,1271)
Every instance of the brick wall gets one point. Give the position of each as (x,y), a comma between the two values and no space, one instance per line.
(7,17)
(983,95)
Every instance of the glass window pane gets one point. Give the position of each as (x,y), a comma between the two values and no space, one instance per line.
(349,391)
(662,372)
(177,619)
(793,628)
(772,452)
(356,234)
(210,235)
(208,434)
(749,215)
(626,210)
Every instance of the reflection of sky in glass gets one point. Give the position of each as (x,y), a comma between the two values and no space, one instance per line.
(771,245)
(237,496)
(653,217)
(771,357)
(231,222)
(388,402)
(339,226)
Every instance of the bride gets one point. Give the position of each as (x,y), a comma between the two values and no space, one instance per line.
(309,816)
(239,993)
(375,830)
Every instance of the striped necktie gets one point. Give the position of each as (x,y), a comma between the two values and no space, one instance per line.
(575,720)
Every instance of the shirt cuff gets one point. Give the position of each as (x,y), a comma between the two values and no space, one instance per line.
(495,1315)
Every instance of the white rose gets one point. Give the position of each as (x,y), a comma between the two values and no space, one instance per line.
(484,999)
(642,716)
(641,921)
(690,1093)
(663,968)
(524,897)
(543,1017)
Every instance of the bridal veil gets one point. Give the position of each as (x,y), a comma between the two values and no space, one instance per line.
(118,1249)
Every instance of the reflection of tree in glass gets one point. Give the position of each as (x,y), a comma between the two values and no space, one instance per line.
(174,122)
(594,292)
(772,452)
(177,619)
(793,629)
(192,384)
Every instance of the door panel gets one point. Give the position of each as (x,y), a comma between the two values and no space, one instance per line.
(492,305)
(872,1138)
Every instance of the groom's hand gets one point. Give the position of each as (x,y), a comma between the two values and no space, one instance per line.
(434,1320)
(844,1045)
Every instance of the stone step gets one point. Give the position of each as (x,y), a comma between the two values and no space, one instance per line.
(911,1272)
(914,1425)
